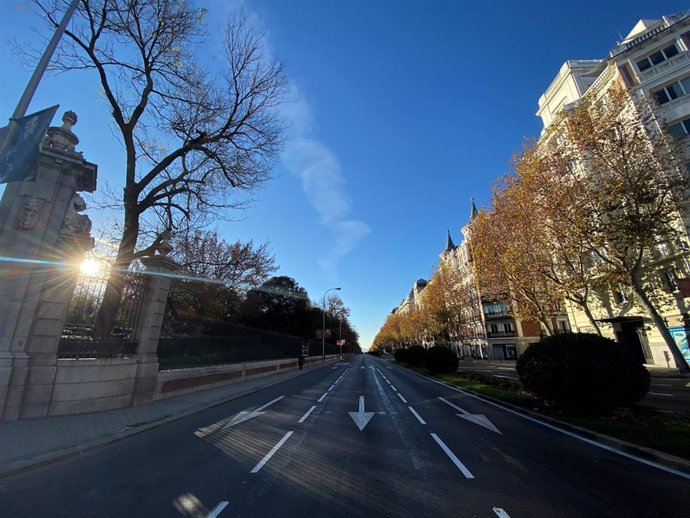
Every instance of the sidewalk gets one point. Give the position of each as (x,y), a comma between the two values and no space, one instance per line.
(31,442)
(509,365)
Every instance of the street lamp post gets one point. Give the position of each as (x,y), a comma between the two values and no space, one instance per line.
(323,328)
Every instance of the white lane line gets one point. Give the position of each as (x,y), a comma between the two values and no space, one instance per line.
(401,397)
(660,394)
(322,397)
(501,513)
(419,417)
(217,509)
(269,404)
(270,454)
(573,435)
(452,456)
(331,387)
(395,389)
(307,414)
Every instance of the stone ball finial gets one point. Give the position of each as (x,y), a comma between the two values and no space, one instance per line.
(63,138)
(69,119)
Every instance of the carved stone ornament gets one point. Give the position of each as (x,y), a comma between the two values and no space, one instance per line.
(62,138)
(164,247)
(76,224)
(30,212)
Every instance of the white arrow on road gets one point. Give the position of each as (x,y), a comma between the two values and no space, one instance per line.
(245,415)
(479,419)
(361,418)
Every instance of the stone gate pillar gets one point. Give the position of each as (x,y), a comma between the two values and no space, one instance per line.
(43,238)
(158,271)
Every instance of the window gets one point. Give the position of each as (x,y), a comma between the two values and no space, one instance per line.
(673,91)
(658,57)
(508,327)
(563,326)
(668,278)
(682,128)
(619,296)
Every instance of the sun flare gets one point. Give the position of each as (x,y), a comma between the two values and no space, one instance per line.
(90,267)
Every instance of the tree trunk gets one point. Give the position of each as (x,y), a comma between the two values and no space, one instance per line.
(588,313)
(681,364)
(105,319)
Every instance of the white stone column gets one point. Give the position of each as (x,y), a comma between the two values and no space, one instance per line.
(44,237)
(158,271)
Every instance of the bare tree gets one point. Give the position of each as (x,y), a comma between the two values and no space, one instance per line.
(217,274)
(192,136)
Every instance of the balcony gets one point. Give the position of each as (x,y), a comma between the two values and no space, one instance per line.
(497,314)
(500,334)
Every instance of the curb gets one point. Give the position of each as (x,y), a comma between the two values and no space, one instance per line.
(649,454)
(20,466)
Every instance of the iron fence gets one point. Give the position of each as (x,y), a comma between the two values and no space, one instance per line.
(193,342)
(78,339)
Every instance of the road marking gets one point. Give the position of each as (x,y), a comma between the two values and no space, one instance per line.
(217,509)
(322,397)
(331,387)
(660,394)
(452,456)
(401,397)
(245,415)
(501,513)
(573,435)
(395,389)
(307,414)
(479,419)
(270,454)
(361,418)
(419,417)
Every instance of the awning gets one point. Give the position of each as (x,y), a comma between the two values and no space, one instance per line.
(624,319)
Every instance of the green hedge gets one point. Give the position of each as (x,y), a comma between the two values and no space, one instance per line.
(583,372)
(440,359)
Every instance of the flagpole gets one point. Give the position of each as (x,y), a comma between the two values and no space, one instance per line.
(31,87)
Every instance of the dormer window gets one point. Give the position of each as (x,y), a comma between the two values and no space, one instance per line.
(658,57)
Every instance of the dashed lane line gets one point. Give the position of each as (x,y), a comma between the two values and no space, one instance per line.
(217,509)
(322,397)
(419,417)
(270,454)
(501,513)
(307,414)
(452,456)
(401,397)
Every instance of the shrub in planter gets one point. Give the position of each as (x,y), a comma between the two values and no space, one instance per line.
(583,372)
(415,356)
(440,359)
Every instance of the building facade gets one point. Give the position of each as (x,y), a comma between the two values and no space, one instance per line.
(653,63)
(489,330)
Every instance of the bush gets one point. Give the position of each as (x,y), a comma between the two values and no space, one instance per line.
(583,372)
(415,356)
(400,355)
(440,359)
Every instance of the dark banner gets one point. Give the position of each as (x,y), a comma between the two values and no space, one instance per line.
(18,159)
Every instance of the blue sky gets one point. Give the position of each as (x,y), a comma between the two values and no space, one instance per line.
(401,111)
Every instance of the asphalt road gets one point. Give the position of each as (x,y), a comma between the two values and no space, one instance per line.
(296,449)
